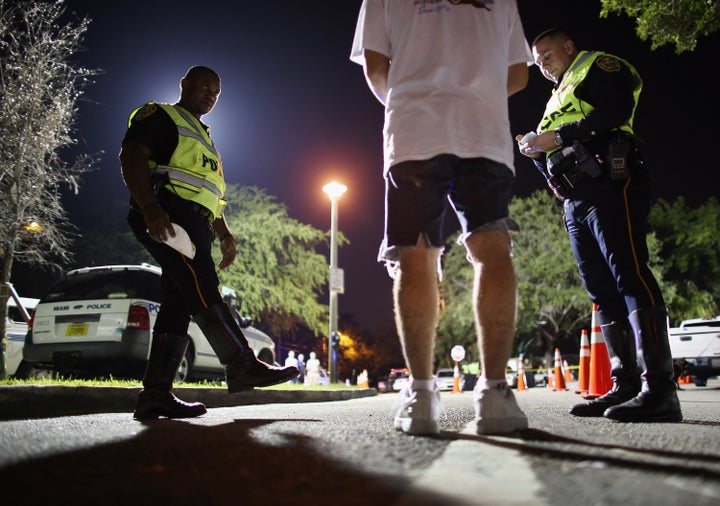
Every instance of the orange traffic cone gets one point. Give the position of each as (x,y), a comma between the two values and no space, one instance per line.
(362,379)
(521,375)
(584,367)
(567,372)
(456,380)
(559,383)
(600,379)
(550,377)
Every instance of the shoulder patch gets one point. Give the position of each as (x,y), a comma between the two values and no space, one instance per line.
(147,110)
(608,63)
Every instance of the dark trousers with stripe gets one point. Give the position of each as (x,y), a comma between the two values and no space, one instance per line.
(607,226)
(188,286)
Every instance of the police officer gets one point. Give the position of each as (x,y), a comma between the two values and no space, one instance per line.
(174,175)
(586,149)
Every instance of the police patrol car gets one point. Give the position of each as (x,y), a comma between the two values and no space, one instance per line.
(99,320)
(696,345)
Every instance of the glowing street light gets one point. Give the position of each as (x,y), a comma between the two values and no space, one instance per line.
(32,226)
(336,280)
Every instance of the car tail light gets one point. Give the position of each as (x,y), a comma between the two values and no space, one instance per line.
(138,318)
(31,320)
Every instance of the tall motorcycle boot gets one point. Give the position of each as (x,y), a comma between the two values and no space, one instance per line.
(657,400)
(156,398)
(624,372)
(243,370)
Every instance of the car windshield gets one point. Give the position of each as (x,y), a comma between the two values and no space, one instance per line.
(445,373)
(106,284)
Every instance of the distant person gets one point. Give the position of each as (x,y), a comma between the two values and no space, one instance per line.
(587,150)
(292,361)
(312,368)
(444,72)
(175,178)
(301,368)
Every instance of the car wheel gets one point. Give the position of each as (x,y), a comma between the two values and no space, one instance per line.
(27,371)
(185,369)
(266,356)
(700,382)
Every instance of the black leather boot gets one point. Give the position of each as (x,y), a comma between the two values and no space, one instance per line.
(657,400)
(156,398)
(243,371)
(624,371)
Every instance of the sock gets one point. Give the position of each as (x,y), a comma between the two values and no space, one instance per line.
(486,383)
(428,384)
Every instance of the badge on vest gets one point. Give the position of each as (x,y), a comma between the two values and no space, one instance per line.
(608,64)
(147,110)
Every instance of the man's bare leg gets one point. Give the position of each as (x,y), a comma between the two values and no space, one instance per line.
(495,296)
(495,292)
(415,293)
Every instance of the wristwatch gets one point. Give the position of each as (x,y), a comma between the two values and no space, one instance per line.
(558,139)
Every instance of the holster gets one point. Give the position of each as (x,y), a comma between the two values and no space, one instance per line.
(568,166)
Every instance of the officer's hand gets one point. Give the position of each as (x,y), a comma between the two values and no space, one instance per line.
(528,149)
(158,223)
(228,250)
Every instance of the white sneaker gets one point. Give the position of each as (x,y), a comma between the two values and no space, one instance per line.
(496,410)
(419,411)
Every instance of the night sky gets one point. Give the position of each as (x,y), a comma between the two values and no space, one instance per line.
(295,113)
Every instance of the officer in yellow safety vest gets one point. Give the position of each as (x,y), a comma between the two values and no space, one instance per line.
(586,149)
(174,174)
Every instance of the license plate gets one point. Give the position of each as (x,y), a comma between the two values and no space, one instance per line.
(77,329)
(715,362)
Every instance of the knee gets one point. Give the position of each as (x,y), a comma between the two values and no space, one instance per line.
(489,248)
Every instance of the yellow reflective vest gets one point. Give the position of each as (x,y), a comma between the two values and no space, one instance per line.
(195,168)
(564,107)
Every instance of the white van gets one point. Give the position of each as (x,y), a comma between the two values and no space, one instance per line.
(99,320)
(696,342)
(16,326)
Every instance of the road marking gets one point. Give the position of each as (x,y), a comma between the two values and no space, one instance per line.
(476,473)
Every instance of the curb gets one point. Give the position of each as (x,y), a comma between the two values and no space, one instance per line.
(41,401)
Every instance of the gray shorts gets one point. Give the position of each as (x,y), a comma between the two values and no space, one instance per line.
(417,193)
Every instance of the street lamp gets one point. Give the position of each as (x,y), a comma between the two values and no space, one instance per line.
(336,279)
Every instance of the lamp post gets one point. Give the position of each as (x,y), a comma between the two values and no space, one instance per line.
(336,279)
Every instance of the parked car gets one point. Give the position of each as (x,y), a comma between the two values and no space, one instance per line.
(695,348)
(511,374)
(99,320)
(16,326)
(446,379)
(398,378)
(395,381)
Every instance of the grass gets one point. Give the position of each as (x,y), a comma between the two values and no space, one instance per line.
(115,382)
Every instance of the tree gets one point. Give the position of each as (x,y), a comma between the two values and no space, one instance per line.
(39,89)
(689,255)
(277,272)
(678,22)
(552,301)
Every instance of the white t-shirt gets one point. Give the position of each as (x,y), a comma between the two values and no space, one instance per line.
(447,86)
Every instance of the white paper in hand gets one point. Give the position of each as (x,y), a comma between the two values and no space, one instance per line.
(181,241)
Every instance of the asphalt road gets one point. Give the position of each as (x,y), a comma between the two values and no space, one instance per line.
(345,452)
